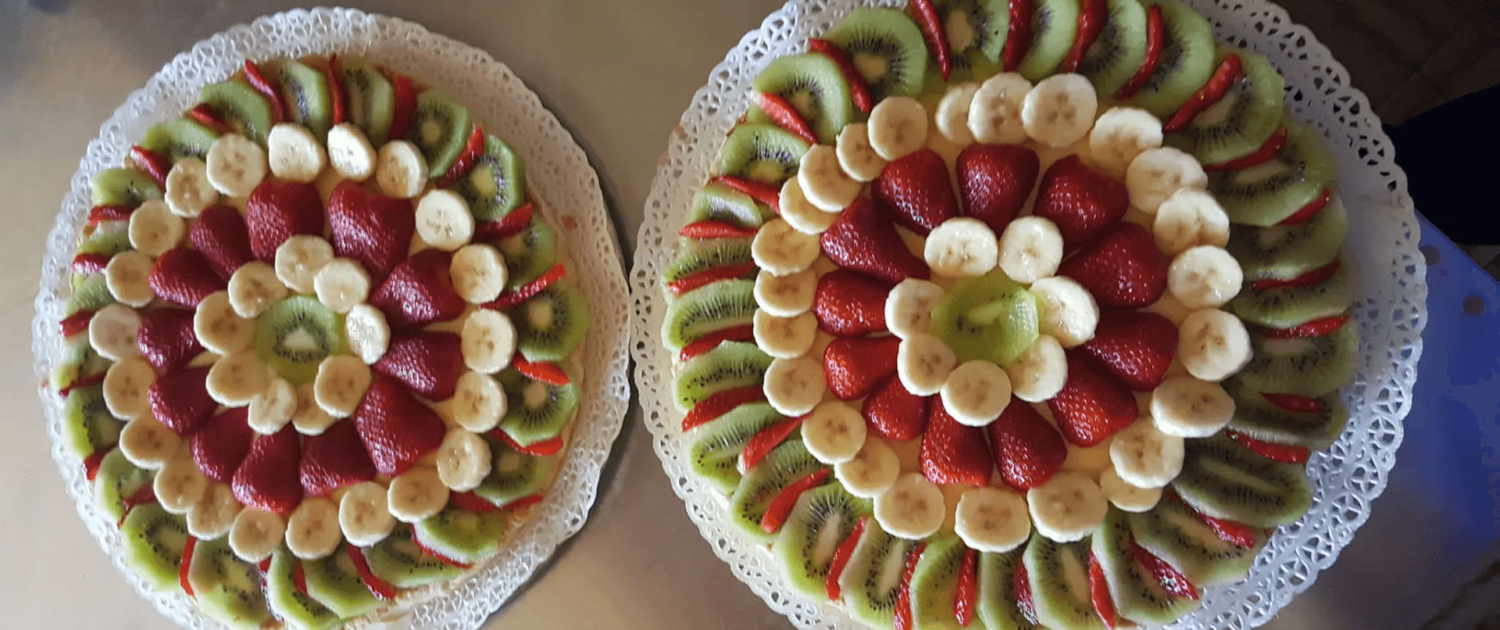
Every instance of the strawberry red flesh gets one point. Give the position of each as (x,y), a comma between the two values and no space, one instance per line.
(84,264)
(1023,593)
(847,303)
(1122,268)
(894,413)
(1310,210)
(166,338)
(429,551)
(549,373)
(1284,453)
(183,277)
(933,31)
(528,500)
(222,444)
(1081,201)
(99,214)
(864,238)
(1099,594)
(1313,328)
(1155,41)
(966,596)
(1237,534)
(334,459)
(180,400)
(1305,280)
(267,479)
(953,452)
(903,620)
(527,291)
(1091,17)
(369,227)
(1224,76)
(1135,346)
(473,503)
(540,449)
(141,497)
(205,115)
(762,443)
(710,276)
(859,90)
(405,106)
(277,210)
(720,403)
(1028,450)
(419,292)
(473,150)
(712,340)
(994,181)
(87,381)
(1018,35)
(710,229)
(153,163)
(841,559)
(92,462)
(221,235)
(853,367)
(781,506)
(786,116)
(427,362)
(917,187)
(336,90)
(397,429)
(762,192)
(509,225)
(1294,402)
(185,566)
(267,89)
(1170,578)
(1093,404)
(76,323)
(1267,150)
(378,587)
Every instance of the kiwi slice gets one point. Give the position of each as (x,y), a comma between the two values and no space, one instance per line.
(116,481)
(1187,60)
(106,241)
(988,317)
(716,448)
(717,202)
(514,474)
(762,152)
(1265,194)
(497,183)
(871,581)
(975,26)
(88,427)
(529,253)
(998,609)
(227,587)
(370,101)
(1054,26)
(813,84)
(717,306)
(123,187)
(1241,121)
(887,49)
(294,335)
(335,583)
(91,294)
(1137,594)
(241,107)
(1119,51)
(1173,532)
(463,535)
(154,542)
(1283,252)
(1223,479)
(821,520)
(181,138)
(703,255)
(1306,367)
(295,607)
(304,89)
(1290,306)
(782,467)
(439,127)
(1263,420)
(731,365)
(535,411)
(81,361)
(550,324)
(403,564)
(934,583)
(1059,578)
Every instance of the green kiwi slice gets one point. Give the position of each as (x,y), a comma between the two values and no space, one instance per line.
(304,89)
(1283,252)
(1173,532)
(116,481)
(1306,367)
(294,335)
(123,187)
(762,152)
(227,587)
(998,609)
(528,254)
(1187,60)
(731,365)
(975,26)
(703,255)
(989,317)
(822,518)
(934,583)
(1266,194)
(335,583)
(550,324)
(1058,573)
(1263,420)
(536,411)
(294,606)
(403,564)
(887,49)
(717,202)
(80,362)
(1290,306)
(1054,26)
(439,127)
(180,138)
(241,107)
(1223,479)
(463,535)
(369,99)
(1136,593)
(90,294)
(154,542)
(782,467)
(814,85)
(107,240)
(497,183)
(1241,121)
(871,582)
(1119,51)
(87,426)
(716,448)
(514,474)
(717,306)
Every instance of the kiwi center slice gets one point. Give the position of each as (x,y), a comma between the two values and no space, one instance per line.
(990,318)
(295,335)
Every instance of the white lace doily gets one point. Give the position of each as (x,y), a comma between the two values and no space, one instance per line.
(557,170)
(1382,238)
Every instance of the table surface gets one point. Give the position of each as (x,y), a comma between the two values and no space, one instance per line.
(639,562)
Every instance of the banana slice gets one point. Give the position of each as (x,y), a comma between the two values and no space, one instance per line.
(463,460)
(1157,173)
(219,328)
(236,379)
(341,284)
(1188,218)
(1187,407)
(179,485)
(188,189)
(923,363)
(299,259)
(148,443)
(112,332)
(1145,457)
(785,337)
(310,419)
(786,296)
(976,392)
(340,384)
(256,534)
(794,386)
(478,402)
(1059,110)
(1031,248)
(1040,372)
(273,407)
(126,278)
(312,531)
(364,515)
(908,307)
(1212,344)
(1069,312)
(295,153)
(1205,276)
(253,288)
(367,332)
(834,432)
(858,159)
(953,113)
(350,153)
(400,170)
(824,181)
(992,520)
(871,471)
(444,221)
(1120,134)
(478,273)
(800,213)
(213,517)
(154,229)
(912,508)
(416,495)
(126,385)
(898,126)
(487,341)
(1068,507)
(962,247)
(236,165)
(1125,496)
(783,250)
(995,111)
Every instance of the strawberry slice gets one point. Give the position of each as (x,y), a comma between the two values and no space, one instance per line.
(1155,41)
(764,193)
(540,449)
(1294,402)
(1313,328)
(1135,346)
(267,479)
(299,578)
(864,238)
(277,210)
(847,303)
(87,381)
(222,444)
(762,443)
(710,276)
(522,502)
(1091,17)
(712,340)
(1122,268)
(429,551)
(1237,534)
(841,559)
(183,277)
(427,362)
(720,403)
(473,503)
(100,214)
(153,163)
(369,227)
(1267,150)
(93,461)
(1284,453)
(1027,448)
(1307,279)
(1225,75)
(336,90)
(419,292)
(166,338)
(1082,201)
(1310,210)
(141,497)
(953,452)
(527,291)
(966,597)
(397,429)
(786,116)
(84,264)
(204,114)
(1170,578)
(903,620)
(473,150)
(1093,404)
(917,187)
(781,506)
(859,90)
(405,106)
(221,235)
(334,459)
(378,587)
(267,89)
(927,19)
(710,229)
(853,367)
(509,225)
(549,373)
(76,323)
(894,413)
(1018,35)
(1023,593)
(180,400)
(185,566)
(1099,594)
(994,181)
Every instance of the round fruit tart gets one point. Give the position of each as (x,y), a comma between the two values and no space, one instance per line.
(1014,314)
(320,346)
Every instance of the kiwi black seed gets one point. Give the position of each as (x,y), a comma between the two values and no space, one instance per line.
(1307,367)
(703,255)
(1186,63)
(717,202)
(1136,593)
(180,138)
(304,90)
(462,535)
(535,410)
(290,604)
(369,99)
(1058,573)
(1120,50)
(550,324)
(1173,532)
(1266,194)
(1263,420)
(335,583)
(1223,479)
(717,445)
(403,564)
(87,426)
(1054,26)
(934,583)
(227,587)
(1283,252)
(714,307)
(241,107)
(497,183)
(91,294)
(1289,306)
(123,187)
(528,254)
(154,542)
(514,474)
(440,128)
(872,580)
(998,608)
(294,335)
(822,518)
(782,467)
(1242,120)
(887,49)
(815,86)
(761,152)
(80,361)
(116,481)
(729,366)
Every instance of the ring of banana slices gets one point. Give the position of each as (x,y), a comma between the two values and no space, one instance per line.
(317,319)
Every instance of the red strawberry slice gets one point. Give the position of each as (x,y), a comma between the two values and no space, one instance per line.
(166,338)
(718,404)
(268,477)
(100,214)
(786,116)
(183,277)
(1229,71)
(1081,201)
(334,459)
(1023,589)
(406,105)
(966,597)
(782,505)
(1123,268)
(1165,574)
(1294,402)
(154,164)
(1099,594)
(995,180)
(222,444)
(917,187)
(84,264)
(903,618)
(853,367)
(1134,345)
(278,210)
(1267,150)
(381,589)
(1091,17)
(267,89)
(370,227)
(428,362)
(509,225)
(206,116)
(1155,42)
(934,32)
(221,236)
(1307,279)
(841,557)
(894,413)
(953,452)
(848,303)
(1027,448)
(865,239)
(397,429)
(76,323)
(859,90)
(180,400)
(1018,34)
(761,444)
(1310,210)
(712,340)
(1092,405)
(1284,453)
(419,291)
(1314,328)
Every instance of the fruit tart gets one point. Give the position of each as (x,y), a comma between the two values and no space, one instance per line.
(321,346)
(1013,314)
